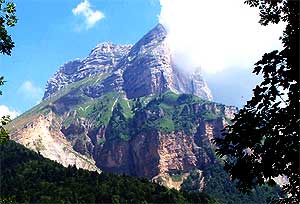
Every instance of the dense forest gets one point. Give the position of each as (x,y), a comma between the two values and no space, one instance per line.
(27,177)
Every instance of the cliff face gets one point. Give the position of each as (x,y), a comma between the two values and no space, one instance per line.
(140,70)
(43,135)
(165,144)
(127,109)
(102,59)
(149,68)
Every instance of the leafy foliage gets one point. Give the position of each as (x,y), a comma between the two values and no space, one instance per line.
(7,19)
(118,125)
(27,177)
(3,120)
(263,142)
(3,133)
(192,182)
(1,83)
(220,187)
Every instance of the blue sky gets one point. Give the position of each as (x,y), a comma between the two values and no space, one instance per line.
(221,37)
(47,35)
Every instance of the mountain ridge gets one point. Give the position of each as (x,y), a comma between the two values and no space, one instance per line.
(139,70)
(100,60)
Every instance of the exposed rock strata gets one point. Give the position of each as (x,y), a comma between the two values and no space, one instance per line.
(144,69)
(43,135)
(102,59)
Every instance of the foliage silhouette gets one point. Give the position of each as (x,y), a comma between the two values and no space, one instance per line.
(7,19)
(263,141)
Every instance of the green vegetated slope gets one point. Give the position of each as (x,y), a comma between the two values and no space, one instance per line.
(123,120)
(27,177)
(168,112)
(64,100)
(172,112)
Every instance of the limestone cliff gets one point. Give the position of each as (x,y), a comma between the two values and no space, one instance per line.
(157,151)
(149,69)
(43,135)
(101,60)
(140,70)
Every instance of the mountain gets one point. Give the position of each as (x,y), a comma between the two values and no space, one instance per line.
(140,70)
(130,110)
(94,109)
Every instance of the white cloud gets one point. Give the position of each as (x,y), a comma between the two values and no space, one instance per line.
(30,92)
(91,16)
(4,111)
(216,35)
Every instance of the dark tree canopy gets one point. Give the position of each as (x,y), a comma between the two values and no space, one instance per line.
(27,177)
(263,141)
(7,19)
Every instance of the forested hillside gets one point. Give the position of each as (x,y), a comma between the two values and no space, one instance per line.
(27,177)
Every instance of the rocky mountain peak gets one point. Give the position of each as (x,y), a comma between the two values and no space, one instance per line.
(143,69)
(152,38)
(105,47)
(109,49)
(102,59)
(158,30)
(150,69)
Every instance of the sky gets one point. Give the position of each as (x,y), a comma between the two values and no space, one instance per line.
(221,39)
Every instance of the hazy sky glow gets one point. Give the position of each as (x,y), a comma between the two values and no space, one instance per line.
(4,111)
(216,35)
(222,37)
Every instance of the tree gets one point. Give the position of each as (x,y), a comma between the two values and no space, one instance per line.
(7,19)
(263,141)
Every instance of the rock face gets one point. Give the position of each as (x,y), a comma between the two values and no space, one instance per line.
(165,152)
(149,69)
(43,135)
(102,59)
(127,109)
(140,70)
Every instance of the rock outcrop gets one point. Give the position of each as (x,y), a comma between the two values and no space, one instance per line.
(149,69)
(165,152)
(140,70)
(43,135)
(102,59)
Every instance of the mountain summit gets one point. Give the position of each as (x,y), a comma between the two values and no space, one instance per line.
(140,70)
(101,60)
